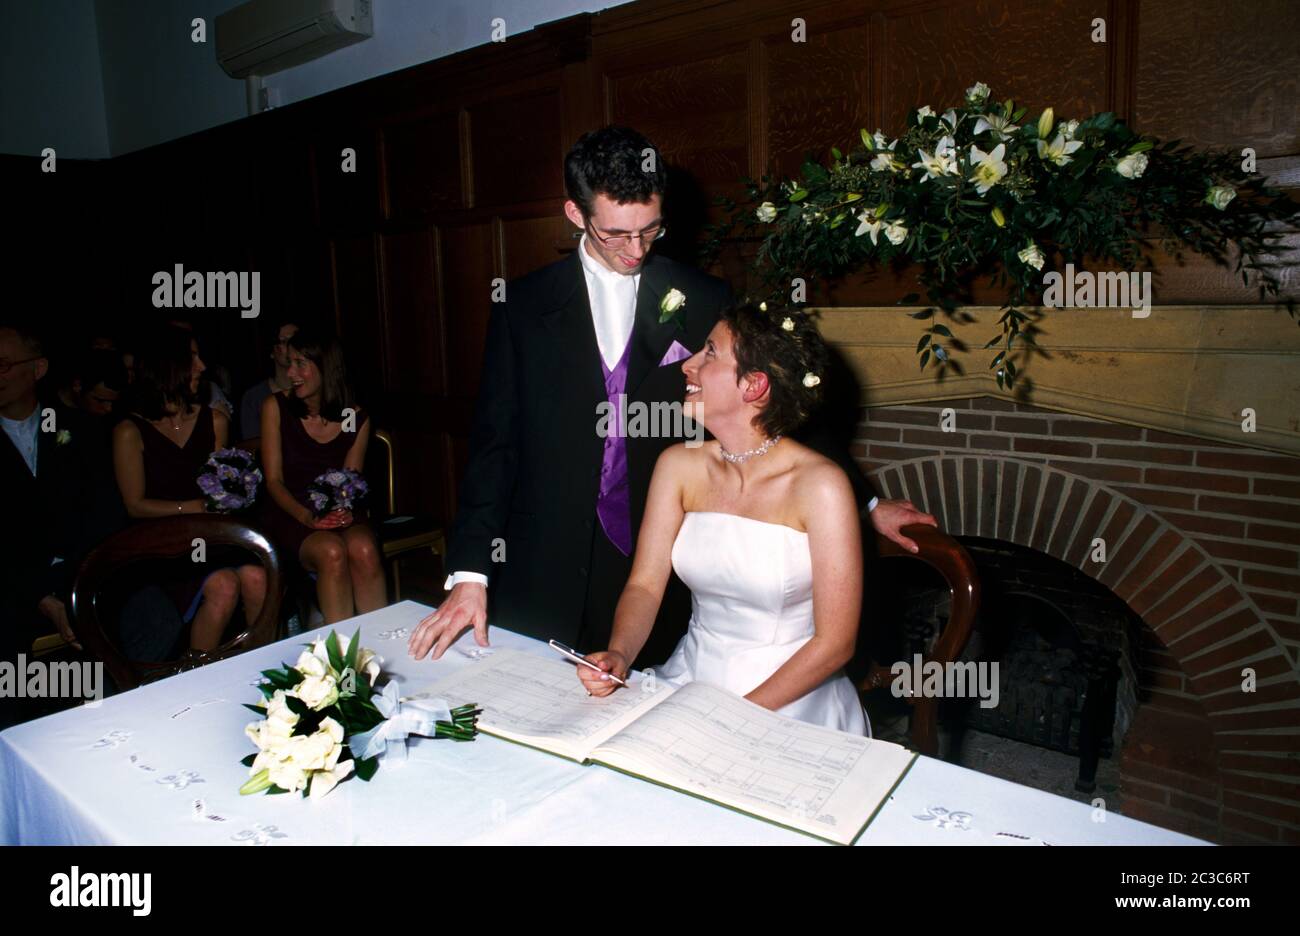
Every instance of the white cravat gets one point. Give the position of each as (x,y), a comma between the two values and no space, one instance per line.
(613,304)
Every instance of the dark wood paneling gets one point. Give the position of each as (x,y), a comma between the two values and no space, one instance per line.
(1036,51)
(347,200)
(423,163)
(801,115)
(1223,74)
(412,318)
(467,258)
(357,311)
(516,149)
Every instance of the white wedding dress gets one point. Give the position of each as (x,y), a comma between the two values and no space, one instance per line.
(751,609)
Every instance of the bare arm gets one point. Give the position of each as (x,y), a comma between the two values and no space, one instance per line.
(128,468)
(273,464)
(830,516)
(634,617)
(356,457)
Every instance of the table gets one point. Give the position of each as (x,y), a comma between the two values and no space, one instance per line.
(160,765)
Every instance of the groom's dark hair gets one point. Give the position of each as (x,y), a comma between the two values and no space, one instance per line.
(612,162)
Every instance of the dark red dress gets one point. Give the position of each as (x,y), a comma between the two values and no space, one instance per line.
(170,474)
(303,460)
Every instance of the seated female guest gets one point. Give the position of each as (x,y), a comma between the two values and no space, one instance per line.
(764,531)
(307,430)
(158,452)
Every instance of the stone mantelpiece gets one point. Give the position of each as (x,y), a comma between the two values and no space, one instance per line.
(1184,369)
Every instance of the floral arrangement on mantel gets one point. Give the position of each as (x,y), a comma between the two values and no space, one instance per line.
(973,190)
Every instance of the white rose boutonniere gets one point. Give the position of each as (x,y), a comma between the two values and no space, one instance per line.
(670,306)
(62,437)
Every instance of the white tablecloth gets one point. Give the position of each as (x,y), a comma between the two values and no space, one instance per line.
(160,765)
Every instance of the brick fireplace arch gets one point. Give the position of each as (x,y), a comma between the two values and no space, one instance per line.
(1211,628)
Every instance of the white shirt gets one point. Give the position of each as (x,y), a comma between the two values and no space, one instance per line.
(23,434)
(613,304)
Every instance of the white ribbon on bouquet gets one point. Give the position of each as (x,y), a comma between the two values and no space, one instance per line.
(401,719)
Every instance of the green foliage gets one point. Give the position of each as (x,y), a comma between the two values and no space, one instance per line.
(1091,188)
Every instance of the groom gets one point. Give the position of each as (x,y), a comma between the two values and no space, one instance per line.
(550,504)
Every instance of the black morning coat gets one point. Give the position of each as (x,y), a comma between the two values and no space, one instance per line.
(535,456)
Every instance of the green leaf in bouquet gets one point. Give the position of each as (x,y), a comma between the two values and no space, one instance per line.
(332,649)
(297,706)
(255,708)
(280,678)
(273,789)
(351,659)
(925,340)
(365,769)
(248,761)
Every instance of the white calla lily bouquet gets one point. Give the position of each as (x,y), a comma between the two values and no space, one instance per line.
(319,710)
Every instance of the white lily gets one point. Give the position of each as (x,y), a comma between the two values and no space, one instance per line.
(869,224)
(940,164)
(1059,150)
(879,139)
(1033,256)
(923,112)
(989,167)
(1000,125)
(885,162)
(977,93)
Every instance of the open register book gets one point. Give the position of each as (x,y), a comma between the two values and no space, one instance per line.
(695,738)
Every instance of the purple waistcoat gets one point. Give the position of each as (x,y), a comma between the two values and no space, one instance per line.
(613,505)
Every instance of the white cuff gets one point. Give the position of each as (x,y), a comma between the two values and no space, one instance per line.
(457,577)
(871,504)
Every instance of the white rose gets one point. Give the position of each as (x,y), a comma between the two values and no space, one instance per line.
(1132,166)
(896,232)
(1220,195)
(977,92)
(1032,256)
(767,212)
(318,692)
(811,380)
(674,300)
(310,665)
(787,324)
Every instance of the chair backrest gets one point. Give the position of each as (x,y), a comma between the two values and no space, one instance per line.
(168,538)
(950,559)
(385,440)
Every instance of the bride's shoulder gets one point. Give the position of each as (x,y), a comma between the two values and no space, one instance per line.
(683,456)
(820,482)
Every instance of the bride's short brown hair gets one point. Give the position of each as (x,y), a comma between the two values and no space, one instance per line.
(784,344)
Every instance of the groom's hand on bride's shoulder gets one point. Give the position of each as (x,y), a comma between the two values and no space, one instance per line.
(465,606)
(610,661)
(890,516)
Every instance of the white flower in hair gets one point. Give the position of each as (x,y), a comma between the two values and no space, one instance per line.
(811,380)
(788,324)
(63,437)
(762,307)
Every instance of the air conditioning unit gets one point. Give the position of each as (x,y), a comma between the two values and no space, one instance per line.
(265,36)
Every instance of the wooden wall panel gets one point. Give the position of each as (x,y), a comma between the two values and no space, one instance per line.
(412,318)
(357,313)
(1221,74)
(517,153)
(1036,51)
(346,200)
(468,262)
(801,115)
(422,160)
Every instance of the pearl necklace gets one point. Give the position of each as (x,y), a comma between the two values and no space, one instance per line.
(738,457)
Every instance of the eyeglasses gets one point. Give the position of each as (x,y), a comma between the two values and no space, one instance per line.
(7,366)
(621,240)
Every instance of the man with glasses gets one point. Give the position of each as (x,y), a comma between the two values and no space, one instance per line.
(549,508)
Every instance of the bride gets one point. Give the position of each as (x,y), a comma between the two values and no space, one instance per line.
(764,531)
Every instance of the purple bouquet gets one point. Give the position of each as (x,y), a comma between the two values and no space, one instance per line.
(229,480)
(337,489)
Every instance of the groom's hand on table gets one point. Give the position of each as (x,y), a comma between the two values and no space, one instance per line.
(465,606)
(890,516)
(607,660)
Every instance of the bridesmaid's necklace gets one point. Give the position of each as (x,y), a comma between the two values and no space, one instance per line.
(737,458)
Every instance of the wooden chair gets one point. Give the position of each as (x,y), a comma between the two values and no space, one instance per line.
(950,560)
(168,538)
(400,534)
